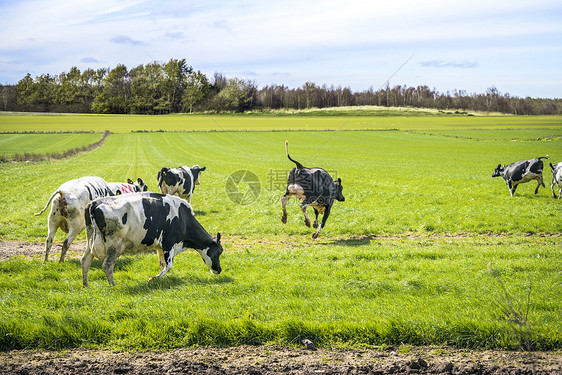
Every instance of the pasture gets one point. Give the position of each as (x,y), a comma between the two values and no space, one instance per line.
(419,253)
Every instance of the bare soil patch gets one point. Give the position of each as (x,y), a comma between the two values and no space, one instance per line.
(280,360)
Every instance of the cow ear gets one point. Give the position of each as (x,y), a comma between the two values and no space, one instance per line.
(499,165)
(218,237)
(129,181)
(339,180)
(140,181)
(202,169)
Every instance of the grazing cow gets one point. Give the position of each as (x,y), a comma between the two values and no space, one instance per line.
(67,211)
(556,179)
(133,223)
(179,181)
(129,187)
(314,187)
(520,172)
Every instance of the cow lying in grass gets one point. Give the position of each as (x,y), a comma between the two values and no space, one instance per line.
(131,223)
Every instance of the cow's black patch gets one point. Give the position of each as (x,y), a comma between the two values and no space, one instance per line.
(124,219)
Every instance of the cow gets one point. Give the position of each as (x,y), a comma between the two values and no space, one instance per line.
(129,187)
(132,223)
(314,187)
(179,181)
(556,179)
(521,172)
(67,210)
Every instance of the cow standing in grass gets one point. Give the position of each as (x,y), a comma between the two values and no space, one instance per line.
(129,187)
(131,223)
(67,210)
(179,181)
(314,187)
(521,172)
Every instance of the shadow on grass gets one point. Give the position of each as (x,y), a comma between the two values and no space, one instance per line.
(121,264)
(353,242)
(203,213)
(171,282)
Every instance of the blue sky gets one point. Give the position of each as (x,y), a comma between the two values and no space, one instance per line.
(513,45)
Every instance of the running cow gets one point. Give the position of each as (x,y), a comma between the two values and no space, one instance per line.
(521,172)
(314,187)
(556,179)
(67,210)
(179,181)
(133,223)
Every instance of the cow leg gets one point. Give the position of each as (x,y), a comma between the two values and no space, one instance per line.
(324,218)
(284,200)
(161,259)
(552,188)
(512,187)
(306,217)
(315,224)
(109,264)
(86,262)
(541,182)
(168,256)
(50,236)
(72,233)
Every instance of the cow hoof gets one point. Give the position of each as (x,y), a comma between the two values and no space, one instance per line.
(284,219)
(307,223)
(315,235)
(315,225)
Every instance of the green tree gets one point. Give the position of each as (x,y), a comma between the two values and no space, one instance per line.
(116,94)
(196,89)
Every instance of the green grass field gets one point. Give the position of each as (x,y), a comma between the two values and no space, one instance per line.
(417,253)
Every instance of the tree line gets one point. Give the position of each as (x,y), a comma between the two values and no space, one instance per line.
(175,87)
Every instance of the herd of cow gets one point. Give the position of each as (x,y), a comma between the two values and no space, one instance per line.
(126,218)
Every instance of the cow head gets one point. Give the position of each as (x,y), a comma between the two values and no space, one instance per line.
(140,183)
(196,171)
(498,171)
(161,175)
(339,190)
(211,255)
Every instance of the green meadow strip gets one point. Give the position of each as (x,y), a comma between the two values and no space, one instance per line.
(385,291)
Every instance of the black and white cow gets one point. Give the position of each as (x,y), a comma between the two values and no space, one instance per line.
(556,179)
(520,172)
(129,187)
(179,181)
(67,210)
(314,187)
(133,223)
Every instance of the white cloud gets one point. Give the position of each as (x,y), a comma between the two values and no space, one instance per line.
(353,43)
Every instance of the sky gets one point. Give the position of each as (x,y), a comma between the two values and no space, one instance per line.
(447,45)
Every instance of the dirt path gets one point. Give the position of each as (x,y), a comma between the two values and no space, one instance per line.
(277,360)
(266,359)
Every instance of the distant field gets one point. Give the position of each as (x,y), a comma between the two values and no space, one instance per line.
(14,144)
(417,254)
(128,123)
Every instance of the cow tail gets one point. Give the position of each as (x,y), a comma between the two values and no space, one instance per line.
(299,165)
(160,177)
(50,200)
